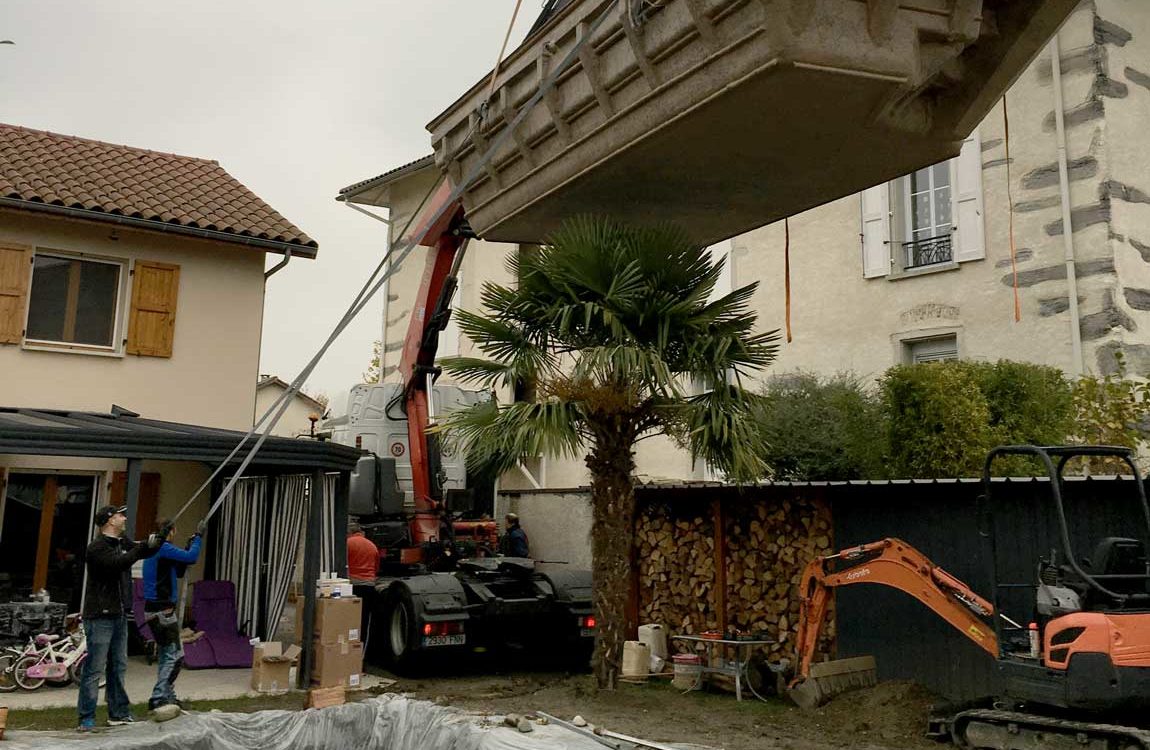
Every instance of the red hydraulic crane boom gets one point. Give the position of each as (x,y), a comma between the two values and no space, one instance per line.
(440,226)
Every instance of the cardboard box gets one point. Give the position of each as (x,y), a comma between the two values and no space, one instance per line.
(338,619)
(324,697)
(338,665)
(334,587)
(271,666)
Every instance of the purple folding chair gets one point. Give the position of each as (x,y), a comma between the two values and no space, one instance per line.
(214,610)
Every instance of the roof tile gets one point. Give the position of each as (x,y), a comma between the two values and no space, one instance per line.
(41,167)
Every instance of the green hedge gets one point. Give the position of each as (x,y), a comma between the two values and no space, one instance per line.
(943,417)
(828,429)
(926,421)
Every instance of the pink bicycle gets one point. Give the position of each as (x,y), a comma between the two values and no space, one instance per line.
(54,659)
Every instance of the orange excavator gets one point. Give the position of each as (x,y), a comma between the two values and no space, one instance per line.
(1084,661)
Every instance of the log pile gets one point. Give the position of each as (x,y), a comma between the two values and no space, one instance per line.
(767,540)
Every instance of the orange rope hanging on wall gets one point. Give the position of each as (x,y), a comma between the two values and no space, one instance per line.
(1010,213)
(787,273)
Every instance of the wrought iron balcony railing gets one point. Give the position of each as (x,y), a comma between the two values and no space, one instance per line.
(929,251)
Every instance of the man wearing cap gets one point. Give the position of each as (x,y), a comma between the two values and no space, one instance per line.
(107,604)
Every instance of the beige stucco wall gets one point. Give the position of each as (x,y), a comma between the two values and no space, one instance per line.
(842,321)
(295,420)
(210,378)
(558,524)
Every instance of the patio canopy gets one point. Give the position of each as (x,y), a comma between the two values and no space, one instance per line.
(124,434)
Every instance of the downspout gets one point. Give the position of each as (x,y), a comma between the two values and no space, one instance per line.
(287,259)
(1067,228)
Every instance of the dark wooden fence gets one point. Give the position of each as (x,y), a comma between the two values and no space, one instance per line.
(940,519)
(909,641)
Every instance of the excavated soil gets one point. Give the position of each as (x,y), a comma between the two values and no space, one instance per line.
(887,717)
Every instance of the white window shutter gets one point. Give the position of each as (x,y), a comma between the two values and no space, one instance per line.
(876,231)
(969,235)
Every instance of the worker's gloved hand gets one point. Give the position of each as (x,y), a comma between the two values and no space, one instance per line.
(202,527)
(154,541)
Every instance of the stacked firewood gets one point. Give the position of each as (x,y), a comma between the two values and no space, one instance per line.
(768,542)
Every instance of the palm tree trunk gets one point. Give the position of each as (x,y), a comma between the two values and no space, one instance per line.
(611,463)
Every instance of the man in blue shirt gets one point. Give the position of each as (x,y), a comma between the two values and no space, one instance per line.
(161,592)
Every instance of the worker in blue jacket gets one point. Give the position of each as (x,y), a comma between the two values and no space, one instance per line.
(161,594)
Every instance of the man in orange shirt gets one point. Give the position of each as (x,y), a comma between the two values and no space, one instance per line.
(362,556)
(362,565)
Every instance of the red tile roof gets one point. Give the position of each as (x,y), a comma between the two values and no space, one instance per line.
(43,170)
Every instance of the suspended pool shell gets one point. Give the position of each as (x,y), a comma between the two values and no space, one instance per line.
(725,115)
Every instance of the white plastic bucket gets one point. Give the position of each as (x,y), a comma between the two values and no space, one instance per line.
(655,636)
(688,669)
(636,659)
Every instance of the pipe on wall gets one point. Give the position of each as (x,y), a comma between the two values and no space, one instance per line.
(385,290)
(1067,226)
(278,266)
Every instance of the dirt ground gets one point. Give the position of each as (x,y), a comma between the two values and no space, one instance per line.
(887,717)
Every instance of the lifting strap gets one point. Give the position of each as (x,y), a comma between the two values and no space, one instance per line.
(1010,213)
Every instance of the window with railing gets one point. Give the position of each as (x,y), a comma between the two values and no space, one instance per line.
(928,251)
(929,220)
(928,216)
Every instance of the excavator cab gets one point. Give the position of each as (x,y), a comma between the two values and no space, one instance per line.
(1088,645)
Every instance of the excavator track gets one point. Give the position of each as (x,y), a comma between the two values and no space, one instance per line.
(1010,730)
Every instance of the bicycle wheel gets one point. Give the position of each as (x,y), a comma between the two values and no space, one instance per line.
(20,672)
(7,675)
(76,671)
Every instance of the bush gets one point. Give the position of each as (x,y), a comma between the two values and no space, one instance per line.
(937,420)
(944,417)
(1111,410)
(822,429)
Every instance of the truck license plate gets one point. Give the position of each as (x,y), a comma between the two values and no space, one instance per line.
(587,632)
(444,640)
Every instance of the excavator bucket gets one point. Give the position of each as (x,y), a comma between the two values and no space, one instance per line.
(830,678)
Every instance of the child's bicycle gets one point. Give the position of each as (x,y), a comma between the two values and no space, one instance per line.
(54,659)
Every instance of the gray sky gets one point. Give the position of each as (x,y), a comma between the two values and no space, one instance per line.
(295,99)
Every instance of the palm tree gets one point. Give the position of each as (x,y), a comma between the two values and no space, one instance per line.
(609,326)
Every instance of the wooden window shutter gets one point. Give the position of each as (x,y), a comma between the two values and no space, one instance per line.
(15,268)
(152,324)
(148,502)
(876,230)
(969,232)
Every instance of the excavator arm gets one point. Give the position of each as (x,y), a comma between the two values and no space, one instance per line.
(894,563)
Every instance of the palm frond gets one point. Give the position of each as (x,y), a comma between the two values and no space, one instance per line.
(720,428)
(497,437)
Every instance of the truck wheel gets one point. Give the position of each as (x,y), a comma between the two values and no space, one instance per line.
(401,633)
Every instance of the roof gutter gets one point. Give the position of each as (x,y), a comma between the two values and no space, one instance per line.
(158,226)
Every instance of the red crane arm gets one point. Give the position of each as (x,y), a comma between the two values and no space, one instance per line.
(894,563)
(437,227)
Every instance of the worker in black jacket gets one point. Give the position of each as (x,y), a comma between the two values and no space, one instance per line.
(515,541)
(107,606)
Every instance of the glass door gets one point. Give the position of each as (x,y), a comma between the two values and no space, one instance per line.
(44,530)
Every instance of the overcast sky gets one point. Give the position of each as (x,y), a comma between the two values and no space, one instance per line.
(295,99)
